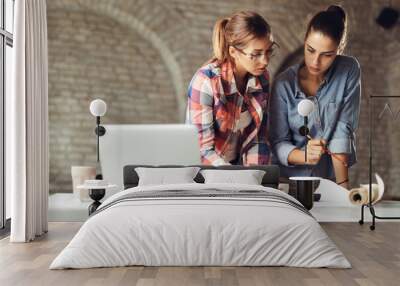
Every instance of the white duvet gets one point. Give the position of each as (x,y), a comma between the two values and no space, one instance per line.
(200,231)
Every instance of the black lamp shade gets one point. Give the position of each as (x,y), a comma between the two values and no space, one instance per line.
(388,18)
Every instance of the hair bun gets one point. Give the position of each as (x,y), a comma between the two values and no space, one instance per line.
(338,11)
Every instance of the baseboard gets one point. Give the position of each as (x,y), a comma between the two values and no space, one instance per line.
(5,231)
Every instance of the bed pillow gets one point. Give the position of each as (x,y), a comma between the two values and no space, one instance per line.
(165,176)
(248,177)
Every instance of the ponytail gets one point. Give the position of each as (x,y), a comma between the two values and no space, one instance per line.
(220,45)
(341,16)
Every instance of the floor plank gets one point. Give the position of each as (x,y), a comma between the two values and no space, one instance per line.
(374,255)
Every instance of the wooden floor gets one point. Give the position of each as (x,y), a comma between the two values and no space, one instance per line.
(374,255)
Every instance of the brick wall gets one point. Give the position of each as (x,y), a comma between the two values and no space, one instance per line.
(139,56)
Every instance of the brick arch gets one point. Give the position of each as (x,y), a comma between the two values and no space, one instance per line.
(107,9)
(288,39)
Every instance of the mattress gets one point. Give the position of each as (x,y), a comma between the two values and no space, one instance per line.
(201,225)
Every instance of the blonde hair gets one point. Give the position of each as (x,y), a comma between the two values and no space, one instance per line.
(237,30)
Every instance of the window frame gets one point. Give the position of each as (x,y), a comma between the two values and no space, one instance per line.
(6,39)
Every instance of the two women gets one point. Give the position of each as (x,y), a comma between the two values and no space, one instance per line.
(329,79)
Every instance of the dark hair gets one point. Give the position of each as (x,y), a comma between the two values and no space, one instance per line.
(333,23)
(237,30)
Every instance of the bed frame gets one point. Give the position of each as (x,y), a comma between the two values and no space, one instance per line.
(270,179)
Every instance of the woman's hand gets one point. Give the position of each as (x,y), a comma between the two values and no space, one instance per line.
(315,149)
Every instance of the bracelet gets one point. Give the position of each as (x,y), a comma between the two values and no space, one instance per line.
(345,181)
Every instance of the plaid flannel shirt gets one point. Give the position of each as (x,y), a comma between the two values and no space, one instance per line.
(214,107)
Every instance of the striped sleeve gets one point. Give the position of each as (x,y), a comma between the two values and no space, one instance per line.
(200,114)
(259,152)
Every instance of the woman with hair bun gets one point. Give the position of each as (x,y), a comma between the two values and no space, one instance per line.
(228,96)
(332,82)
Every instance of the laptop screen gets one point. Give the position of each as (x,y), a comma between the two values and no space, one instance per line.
(146,144)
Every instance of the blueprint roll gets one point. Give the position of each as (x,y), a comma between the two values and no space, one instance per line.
(360,196)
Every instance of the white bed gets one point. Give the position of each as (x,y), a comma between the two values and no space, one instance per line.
(184,230)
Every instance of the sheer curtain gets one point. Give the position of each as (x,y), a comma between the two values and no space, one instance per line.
(27,123)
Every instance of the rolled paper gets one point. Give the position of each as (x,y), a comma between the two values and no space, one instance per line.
(360,196)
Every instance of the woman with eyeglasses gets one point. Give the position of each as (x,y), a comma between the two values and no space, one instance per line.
(228,96)
(332,82)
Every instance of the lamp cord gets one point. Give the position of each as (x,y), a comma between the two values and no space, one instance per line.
(97,132)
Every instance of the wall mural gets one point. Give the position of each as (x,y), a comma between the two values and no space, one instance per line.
(140,61)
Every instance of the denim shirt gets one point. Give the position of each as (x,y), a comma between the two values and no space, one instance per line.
(335,116)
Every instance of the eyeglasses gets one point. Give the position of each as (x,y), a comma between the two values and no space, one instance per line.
(260,56)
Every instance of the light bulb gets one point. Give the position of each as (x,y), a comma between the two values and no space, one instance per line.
(305,107)
(98,107)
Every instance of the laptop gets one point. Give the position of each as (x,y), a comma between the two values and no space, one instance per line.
(146,144)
